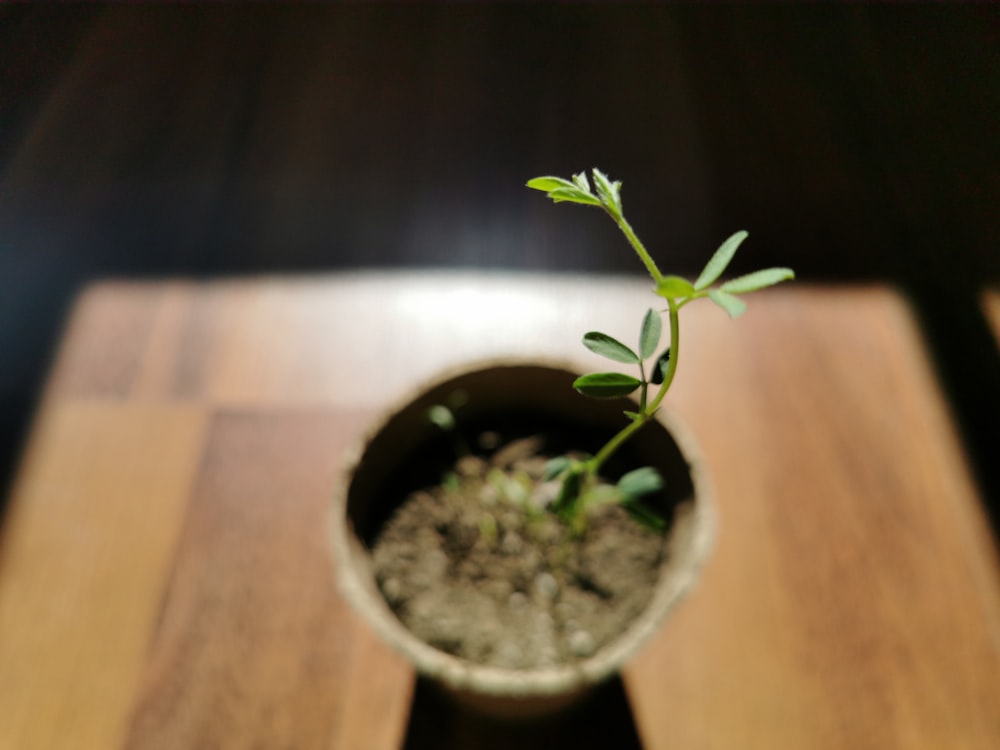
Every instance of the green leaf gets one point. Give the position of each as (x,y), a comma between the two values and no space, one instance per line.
(719,261)
(606,384)
(546,184)
(554,467)
(565,503)
(606,346)
(608,190)
(673,287)
(660,369)
(649,335)
(451,482)
(645,516)
(758,280)
(442,417)
(640,482)
(732,305)
(562,191)
(602,494)
(632,415)
(573,195)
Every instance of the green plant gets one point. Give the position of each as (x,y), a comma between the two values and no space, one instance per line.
(580,476)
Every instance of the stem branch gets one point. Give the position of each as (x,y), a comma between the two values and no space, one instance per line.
(637,245)
(646,413)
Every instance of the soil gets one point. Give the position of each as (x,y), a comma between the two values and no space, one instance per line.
(479,568)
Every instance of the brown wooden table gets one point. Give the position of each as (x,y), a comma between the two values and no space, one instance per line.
(991,309)
(164,576)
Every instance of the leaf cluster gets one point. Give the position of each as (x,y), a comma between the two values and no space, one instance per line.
(578,493)
(677,292)
(616,384)
(607,195)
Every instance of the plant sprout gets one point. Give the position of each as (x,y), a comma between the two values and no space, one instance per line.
(579,476)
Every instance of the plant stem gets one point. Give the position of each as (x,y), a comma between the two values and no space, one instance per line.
(675,343)
(594,464)
(637,245)
(644,388)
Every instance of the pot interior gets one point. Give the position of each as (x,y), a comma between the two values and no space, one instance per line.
(409,452)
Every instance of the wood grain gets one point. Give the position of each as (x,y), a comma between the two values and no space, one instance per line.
(991,308)
(254,646)
(852,601)
(834,549)
(104,341)
(84,560)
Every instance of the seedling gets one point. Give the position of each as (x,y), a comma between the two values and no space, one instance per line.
(579,477)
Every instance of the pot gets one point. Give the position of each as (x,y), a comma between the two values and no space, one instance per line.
(397,455)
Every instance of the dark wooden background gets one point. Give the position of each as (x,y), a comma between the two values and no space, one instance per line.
(855,143)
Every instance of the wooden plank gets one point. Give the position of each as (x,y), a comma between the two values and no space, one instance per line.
(991,308)
(84,560)
(255,646)
(836,381)
(377,703)
(364,339)
(171,327)
(105,341)
(853,598)
(140,341)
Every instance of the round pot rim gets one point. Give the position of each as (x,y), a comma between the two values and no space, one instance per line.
(460,675)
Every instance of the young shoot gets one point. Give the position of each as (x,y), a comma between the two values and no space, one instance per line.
(652,382)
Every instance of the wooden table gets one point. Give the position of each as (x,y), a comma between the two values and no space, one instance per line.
(165,581)
(991,309)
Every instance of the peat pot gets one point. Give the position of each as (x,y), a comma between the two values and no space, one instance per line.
(403,451)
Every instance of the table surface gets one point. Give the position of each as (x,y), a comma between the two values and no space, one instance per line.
(991,310)
(165,580)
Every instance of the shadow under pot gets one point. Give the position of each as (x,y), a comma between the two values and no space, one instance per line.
(444,541)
